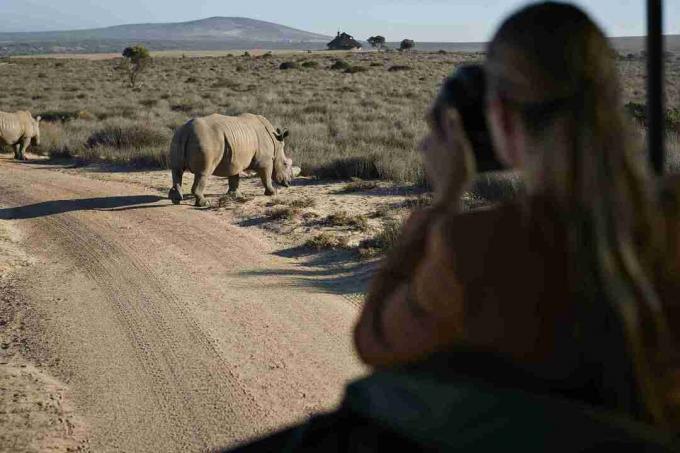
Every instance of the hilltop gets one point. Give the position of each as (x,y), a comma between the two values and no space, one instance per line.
(204,34)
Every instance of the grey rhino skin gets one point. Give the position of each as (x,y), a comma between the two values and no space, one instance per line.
(225,146)
(18,130)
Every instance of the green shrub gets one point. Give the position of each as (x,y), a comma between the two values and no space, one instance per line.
(358,185)
(289,65)
(328,240)
(340,65)
(131,136)
(355,69)
(310,64)
(639,112)
(398,67)
(63,116)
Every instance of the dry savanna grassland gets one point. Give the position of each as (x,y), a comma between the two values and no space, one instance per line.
(354,118)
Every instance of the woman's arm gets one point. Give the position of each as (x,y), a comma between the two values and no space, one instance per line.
(421,314)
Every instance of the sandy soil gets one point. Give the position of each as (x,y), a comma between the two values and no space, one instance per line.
(291,218)
(166,327)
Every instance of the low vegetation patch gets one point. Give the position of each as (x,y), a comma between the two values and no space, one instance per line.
(343,219)
(289,65)
(383,241)
(340,65)
(355,69)
(639,112)
(310,64)
(326,240)
(358,185)
(302,203)
(283,213)
(399,67)
(362,167)
(52,116)
(130,136)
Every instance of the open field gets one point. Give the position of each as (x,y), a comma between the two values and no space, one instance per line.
(364,121)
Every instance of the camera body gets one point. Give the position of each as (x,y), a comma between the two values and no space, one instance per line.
(465,90)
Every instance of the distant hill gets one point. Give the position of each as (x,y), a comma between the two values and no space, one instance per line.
(206,34)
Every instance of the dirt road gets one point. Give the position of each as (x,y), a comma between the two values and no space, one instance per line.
(173,330)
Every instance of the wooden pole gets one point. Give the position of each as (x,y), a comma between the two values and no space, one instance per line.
(655,86)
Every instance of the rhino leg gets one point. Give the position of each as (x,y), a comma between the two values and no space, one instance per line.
(233,185)
(22,149)
(200,179)
(176,192)
(266,177)
(17,151)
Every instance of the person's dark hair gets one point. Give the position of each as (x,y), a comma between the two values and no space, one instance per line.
(553,66)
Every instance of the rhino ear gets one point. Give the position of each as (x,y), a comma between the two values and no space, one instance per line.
(285,133)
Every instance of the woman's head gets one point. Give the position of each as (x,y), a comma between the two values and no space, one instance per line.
(552,86)
(555,113)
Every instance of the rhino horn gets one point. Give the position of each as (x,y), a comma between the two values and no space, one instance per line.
(296,172)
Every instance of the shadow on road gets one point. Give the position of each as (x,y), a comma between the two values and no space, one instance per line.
(48,208)
(332,272)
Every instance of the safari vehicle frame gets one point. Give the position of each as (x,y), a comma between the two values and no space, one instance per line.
(655,84)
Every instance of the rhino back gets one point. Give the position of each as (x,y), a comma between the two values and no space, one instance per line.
(248,142)
(11,127)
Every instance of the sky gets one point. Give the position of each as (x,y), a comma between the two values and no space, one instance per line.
(421,20)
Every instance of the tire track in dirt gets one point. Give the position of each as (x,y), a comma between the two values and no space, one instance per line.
(202,398)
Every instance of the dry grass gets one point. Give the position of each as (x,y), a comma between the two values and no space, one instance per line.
(344,219)
(359,185)
(362,124)
(328,240)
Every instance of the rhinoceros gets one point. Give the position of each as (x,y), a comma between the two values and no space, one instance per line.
(18,130)
(226,146)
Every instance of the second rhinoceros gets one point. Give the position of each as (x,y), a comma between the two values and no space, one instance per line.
(225,146)
(18,130)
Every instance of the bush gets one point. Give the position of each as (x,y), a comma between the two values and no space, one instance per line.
(343,219)
(340,65)
(132,136)
(283,213)
(639,112)
(310,64)
(385,239)
(398,67)
(359,185)
(327,240)
(348,167)
(53,116)
(355,69)
(289,65)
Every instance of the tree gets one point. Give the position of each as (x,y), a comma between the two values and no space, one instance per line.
(137,59)
(407,44)
(377,41)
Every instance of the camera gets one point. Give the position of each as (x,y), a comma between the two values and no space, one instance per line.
(465,90)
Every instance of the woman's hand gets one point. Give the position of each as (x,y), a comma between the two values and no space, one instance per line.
(447,157)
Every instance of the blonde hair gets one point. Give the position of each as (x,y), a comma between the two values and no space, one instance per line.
(553,66)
